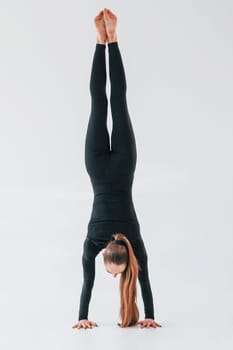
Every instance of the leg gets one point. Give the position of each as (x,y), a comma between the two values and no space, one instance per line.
(123,143)
(97,137)
(122,138)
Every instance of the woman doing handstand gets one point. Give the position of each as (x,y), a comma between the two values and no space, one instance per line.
(113,225)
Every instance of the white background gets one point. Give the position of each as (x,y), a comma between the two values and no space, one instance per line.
(178,59)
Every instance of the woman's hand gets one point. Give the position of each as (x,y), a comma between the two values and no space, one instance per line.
(85,324)
(148,322)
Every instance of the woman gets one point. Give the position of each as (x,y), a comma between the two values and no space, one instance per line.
(113,224)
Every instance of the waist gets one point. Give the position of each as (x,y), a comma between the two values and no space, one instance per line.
(105,229)
(113,207)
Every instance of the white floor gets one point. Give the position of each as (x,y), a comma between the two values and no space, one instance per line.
(41,279)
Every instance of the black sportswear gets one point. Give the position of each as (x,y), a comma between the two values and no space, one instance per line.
(111,172)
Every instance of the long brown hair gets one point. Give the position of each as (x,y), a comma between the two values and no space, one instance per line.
(119,251)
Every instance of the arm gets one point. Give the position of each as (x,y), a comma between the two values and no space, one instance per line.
(143,277)
(88,282)
(90,250)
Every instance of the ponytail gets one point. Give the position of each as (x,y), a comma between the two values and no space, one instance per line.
(128,281)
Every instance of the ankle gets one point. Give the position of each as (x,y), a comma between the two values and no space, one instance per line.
(112,38)
(101,41)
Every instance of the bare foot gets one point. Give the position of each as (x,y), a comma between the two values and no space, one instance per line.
(110,20)
(100,26)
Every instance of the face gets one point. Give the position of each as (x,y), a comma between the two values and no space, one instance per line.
(115,269)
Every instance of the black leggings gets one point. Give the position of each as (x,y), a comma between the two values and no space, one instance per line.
(121,158)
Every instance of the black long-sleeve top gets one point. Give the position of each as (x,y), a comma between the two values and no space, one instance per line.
(117,206)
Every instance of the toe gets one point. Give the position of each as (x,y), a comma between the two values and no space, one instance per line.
(99,17)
